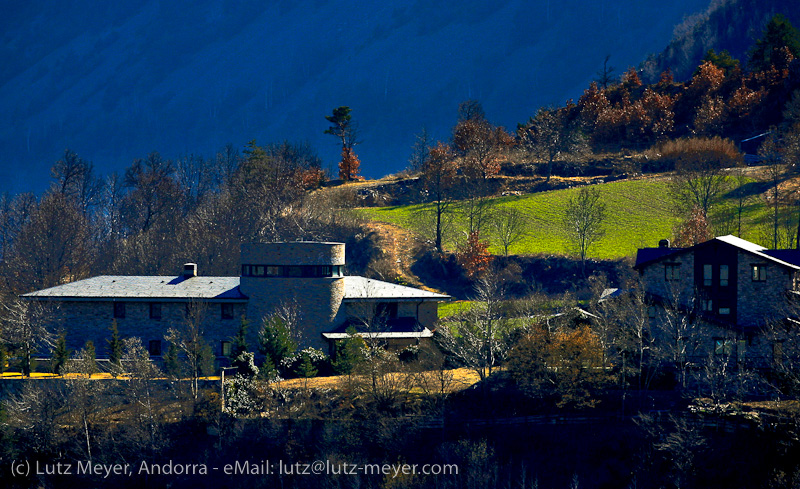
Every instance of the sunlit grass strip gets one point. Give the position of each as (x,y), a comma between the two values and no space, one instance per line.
(639,214)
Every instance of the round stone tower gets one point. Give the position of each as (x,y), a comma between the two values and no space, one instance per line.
(306,273)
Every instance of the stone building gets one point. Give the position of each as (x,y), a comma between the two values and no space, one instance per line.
(736,288)
(307,277)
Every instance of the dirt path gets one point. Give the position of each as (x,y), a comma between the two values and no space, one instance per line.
(399,244)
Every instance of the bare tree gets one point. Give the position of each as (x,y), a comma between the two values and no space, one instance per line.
(510,226)
(550,134)
(604,77)
(190,341)
(85,397)
(438,177)
(478,340)
(34,412)
(419,151)
(770,152)
(144,396)
(582,222)
(74,178)
(26,326)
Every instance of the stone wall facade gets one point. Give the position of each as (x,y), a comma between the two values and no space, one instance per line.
(681,289)
(317,299)
(762,301)
(91,321)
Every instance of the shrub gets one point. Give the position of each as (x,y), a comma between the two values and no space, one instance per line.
(669,155)
(288,367)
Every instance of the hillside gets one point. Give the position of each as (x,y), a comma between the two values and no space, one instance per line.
(639,214)
(116,81)
(732,25)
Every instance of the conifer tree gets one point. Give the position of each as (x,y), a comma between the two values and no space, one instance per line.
(89,358)
(342,127)
(114,348)
(275,341)
(779,33)
(60,354)
(172,362)
(306,370)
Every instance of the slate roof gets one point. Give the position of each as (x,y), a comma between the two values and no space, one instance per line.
(787,258)
(647,255)
(361,288)
(394,328)
(114,287)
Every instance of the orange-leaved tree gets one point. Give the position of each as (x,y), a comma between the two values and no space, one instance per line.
(342,127)
(474,255)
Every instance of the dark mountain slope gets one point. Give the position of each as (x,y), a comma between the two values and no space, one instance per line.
(733,25)
(116,80)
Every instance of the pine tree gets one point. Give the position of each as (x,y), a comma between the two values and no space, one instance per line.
(343,128)
(89,358)
(239,342)
(350,352)
(60,354)
(306,370)
(171,362)
(114,348)
(275,340)
(779,33)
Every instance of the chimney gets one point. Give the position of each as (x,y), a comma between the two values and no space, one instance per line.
(189,270)
(664,243)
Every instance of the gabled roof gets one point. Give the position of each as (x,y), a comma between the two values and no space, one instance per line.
(117,287)
(365,289)
(786,258)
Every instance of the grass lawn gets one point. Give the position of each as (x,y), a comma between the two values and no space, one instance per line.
(638,214)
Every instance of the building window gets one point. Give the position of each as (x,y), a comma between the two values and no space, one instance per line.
(672,271)
(741,348)
(724,311)
(119,310)
(308,271)
(723,346)
(154,347)
(707,278)
(227,311)
(759,273)
(707,305)
(387,310)
(225,348)
(155,311)
(723,275)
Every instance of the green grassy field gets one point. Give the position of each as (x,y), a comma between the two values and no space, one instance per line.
(639,214)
